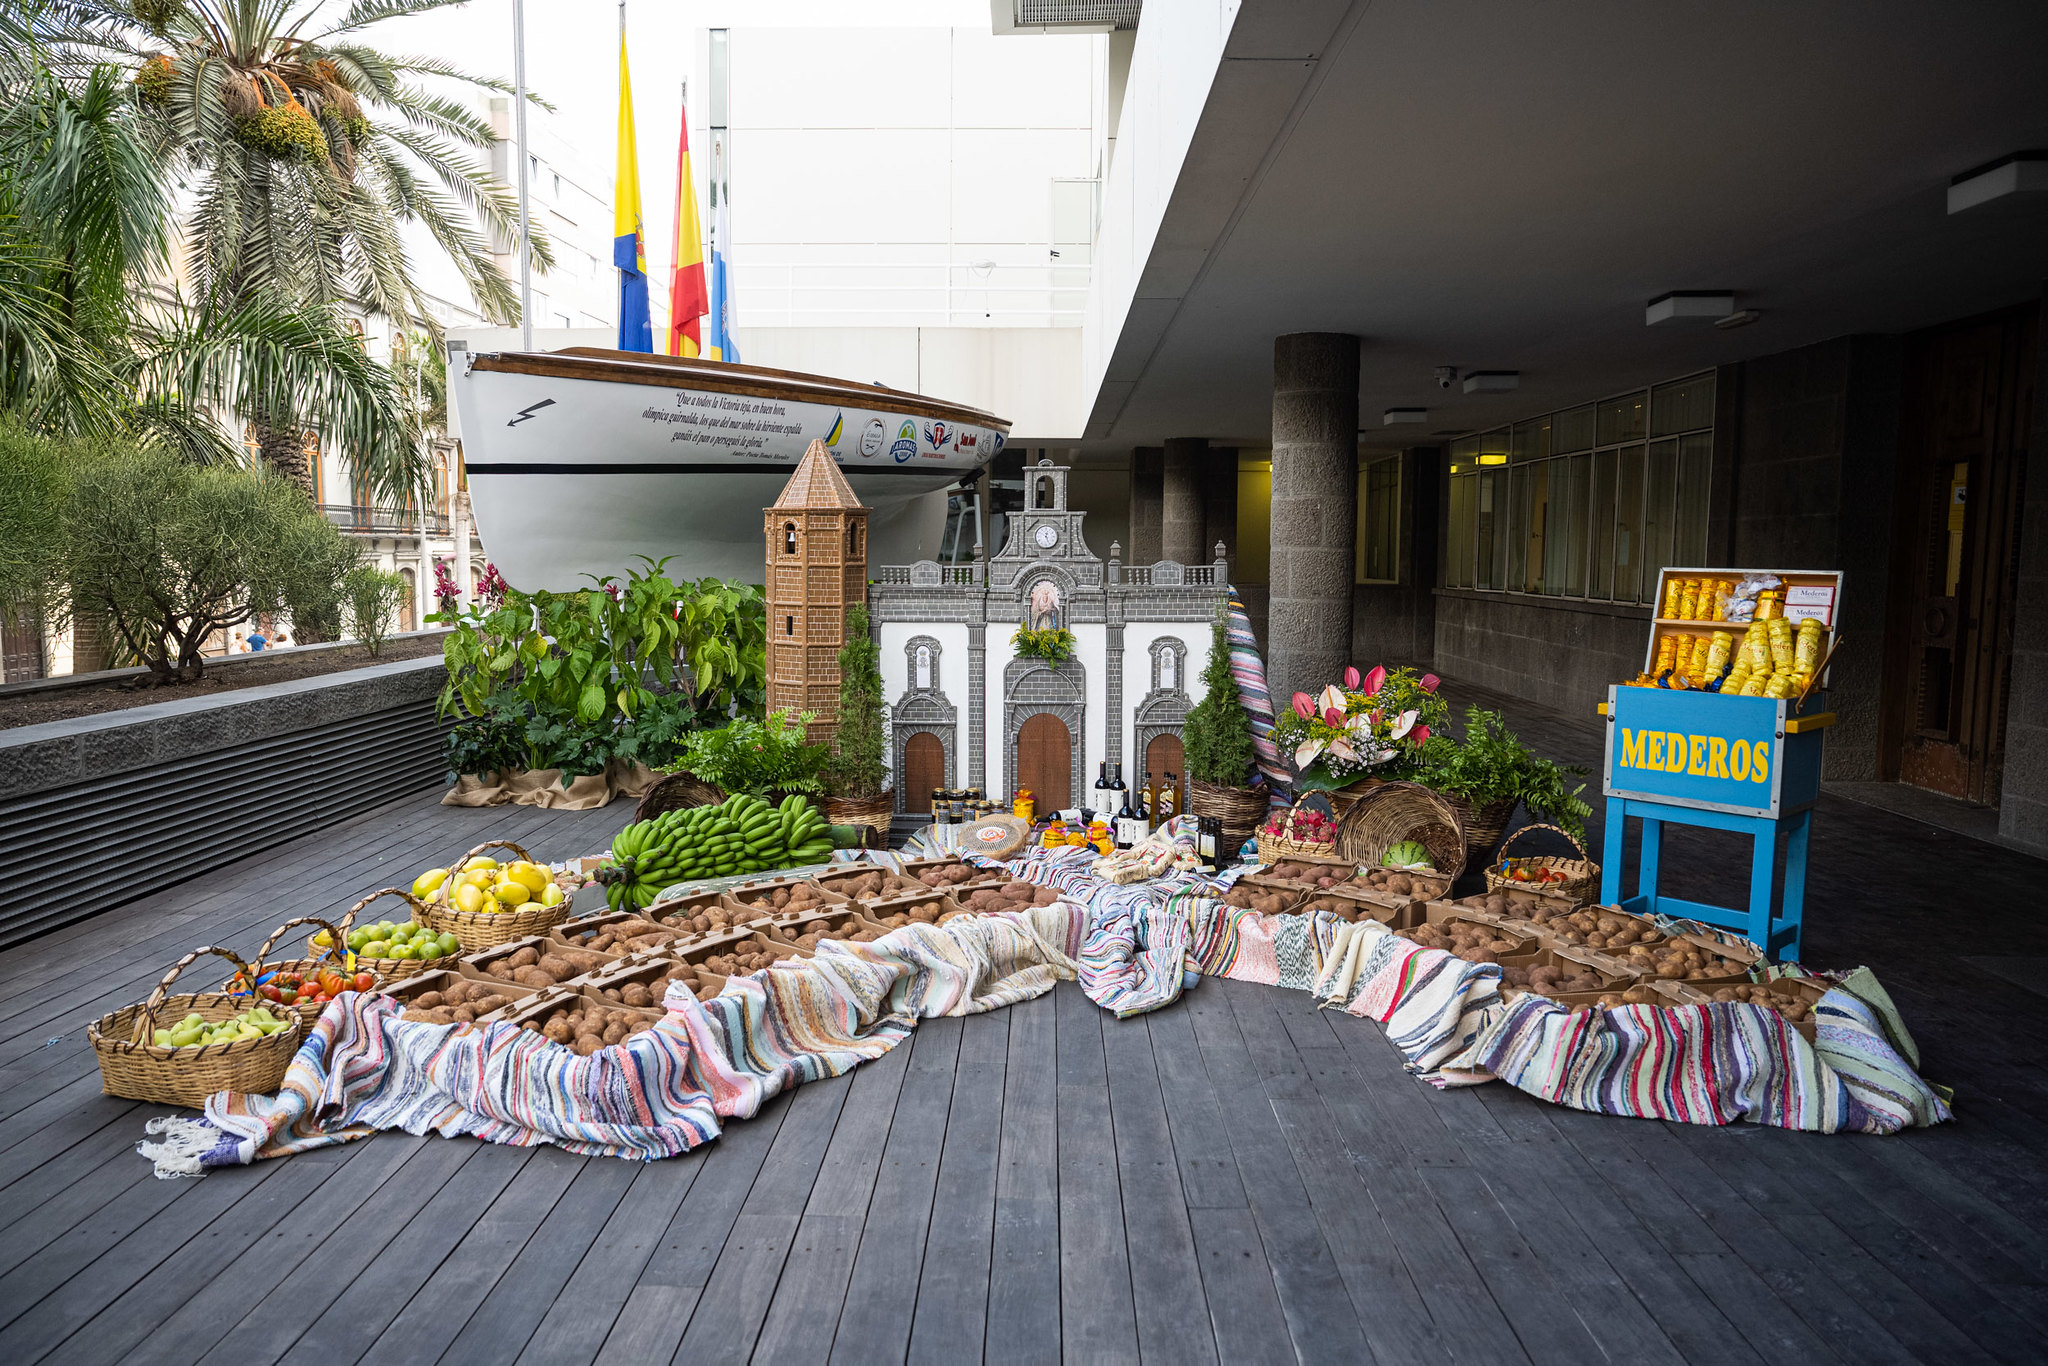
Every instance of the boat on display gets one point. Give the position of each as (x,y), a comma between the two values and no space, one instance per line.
(583,460)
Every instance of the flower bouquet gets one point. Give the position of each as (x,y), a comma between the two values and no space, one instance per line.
(1375,725)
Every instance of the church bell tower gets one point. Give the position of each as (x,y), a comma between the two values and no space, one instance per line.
(817,566)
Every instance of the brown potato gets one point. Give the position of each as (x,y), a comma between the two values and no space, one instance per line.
(524,958)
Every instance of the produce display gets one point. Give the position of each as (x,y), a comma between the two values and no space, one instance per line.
(1407,854)
(1265,902)
(1640,994)
(315,988)
(945,876)
(530,967)
(1303,825)
(1010,896)
(1794,1008)
(1468,939)
(1681,959)
(1541,910)
(650,989)
(586,1026)
(460,1002)
(194,1032)
(872,886)
(739,961)
(806,937)
(407,941)
(790,898)
(629,935)
(742,834)
(1343,907)
(1549,979)
(895,915)
(1773,642)
(1596,927)
(485,886)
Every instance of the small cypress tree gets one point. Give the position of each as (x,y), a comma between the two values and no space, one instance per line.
(1217,735)
(857,767)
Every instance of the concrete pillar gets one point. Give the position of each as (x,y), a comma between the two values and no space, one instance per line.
(2023,792)
(1180,502)
(1148,465)
(1219,500)
(1315,510)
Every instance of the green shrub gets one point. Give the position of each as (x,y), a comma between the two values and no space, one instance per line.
(1217,735)
(373,599)
(858,768)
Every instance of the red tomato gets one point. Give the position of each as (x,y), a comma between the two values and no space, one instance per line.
(288,997)
(272,992)
(365,981)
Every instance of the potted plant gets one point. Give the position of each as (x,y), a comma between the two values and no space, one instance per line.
(855,794)
(1054,644)
(1491,773)
(770,758)
(1217,741)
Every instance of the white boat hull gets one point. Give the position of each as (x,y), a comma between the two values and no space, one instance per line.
(579,465)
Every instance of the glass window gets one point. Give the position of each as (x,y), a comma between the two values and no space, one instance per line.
(1621,419)
(1573,430)
(1695,460)
(1564,527)
(1532,493)
(1600,575)
(1660,508)
(1682,406)
(1493,530)
(1458,543)
(1379,521)
(1628,525)
(1531,440)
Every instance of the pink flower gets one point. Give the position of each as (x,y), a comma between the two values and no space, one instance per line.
(1333,717)
(1304,707)
(1376,679)
(1430,682)
(1419,734)
(1350,677)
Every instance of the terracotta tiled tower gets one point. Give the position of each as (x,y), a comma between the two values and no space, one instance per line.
(817,534)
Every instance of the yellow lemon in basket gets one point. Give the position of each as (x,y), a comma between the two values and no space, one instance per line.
(429,882)
(488,864)
(531,876)
(552,895)
(512,893)
(469,897)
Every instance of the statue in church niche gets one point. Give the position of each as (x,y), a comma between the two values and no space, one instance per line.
(1045,606)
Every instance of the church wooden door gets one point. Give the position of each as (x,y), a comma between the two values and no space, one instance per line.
(924,768)
(1045,756)
(1163,756)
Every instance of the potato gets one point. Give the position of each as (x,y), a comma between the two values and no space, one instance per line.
(523,958)
(557,967)
(427,1000)
(532,977)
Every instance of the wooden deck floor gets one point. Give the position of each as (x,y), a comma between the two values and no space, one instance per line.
(1238,1178)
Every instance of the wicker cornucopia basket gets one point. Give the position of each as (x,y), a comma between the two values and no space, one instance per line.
(1572,877)
(1393,812)
(487,929)
(266,968)
(133,1066)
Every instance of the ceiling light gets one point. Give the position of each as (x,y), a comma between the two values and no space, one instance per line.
(2020,173)
(1394,416)
(1740,318)
(1494,458)
(1492,381)
(1684,305)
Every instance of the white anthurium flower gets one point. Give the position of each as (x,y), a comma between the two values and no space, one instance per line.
(1341,750)
(1333,696)
(1403,724)
(1307,752)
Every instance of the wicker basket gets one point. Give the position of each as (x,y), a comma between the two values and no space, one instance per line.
(265,967)
(872,812)
(1273,848)
(387,969)
(1581,874)
(676,792)
(488,929)
(132,1066)
(1393,812)
(1484,825)
(1241,809)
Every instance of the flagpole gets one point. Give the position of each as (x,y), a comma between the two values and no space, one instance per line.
(519,137)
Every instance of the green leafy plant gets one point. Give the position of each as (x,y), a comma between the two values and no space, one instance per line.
(372,599)
(1054,644)
(857,769)
(759,757)
(1492,765)
(1217,734)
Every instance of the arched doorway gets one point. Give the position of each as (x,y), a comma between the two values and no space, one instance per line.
(924,768)
(1163,756)
(1045,756)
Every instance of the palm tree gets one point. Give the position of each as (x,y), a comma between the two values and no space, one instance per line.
(306,151)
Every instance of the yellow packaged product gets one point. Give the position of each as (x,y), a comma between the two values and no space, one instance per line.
(1781,645)
(1717,654)
(1724,592)
(1756,685)
(1666,646)
(1779,686)
(1673,588)
(1696,669)
(1806,649)
(1737,676)
(1689,599)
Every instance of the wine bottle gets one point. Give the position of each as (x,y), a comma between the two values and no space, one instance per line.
(1143,806)
(1167,809)
(1126,818)
(1099,796)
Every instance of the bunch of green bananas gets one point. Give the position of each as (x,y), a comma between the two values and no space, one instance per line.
(742,834)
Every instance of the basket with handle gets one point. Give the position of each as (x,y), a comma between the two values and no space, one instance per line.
(132,1065)
(679,791)
(487,929)
(1289,842)
(330,958)
(387,969)
(1572,877)
(1395,812)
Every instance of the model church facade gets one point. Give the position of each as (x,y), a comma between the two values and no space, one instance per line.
(967,709)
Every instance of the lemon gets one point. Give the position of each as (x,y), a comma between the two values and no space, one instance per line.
(512,893)
(529,875)
(429,882)
(322,939)
(469,897)
(487,864)
(552,895)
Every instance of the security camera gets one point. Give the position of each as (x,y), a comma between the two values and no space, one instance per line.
(1446,376)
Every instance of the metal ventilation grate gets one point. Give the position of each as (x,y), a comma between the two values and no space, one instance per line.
(1093,13)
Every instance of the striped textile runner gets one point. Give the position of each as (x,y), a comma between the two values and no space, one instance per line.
(1250,672)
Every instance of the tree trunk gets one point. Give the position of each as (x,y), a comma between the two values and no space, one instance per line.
(284,452)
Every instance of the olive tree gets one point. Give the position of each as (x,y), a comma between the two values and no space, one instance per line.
(373,598)
(167,552)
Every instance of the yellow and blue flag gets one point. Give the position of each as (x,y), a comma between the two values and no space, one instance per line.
(686,297)
(629,249)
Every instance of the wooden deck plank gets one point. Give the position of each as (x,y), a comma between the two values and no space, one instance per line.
(1024,1268)
(952,1289)
(1098,1319)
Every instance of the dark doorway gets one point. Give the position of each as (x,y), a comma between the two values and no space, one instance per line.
(924,769)
(21,647)
(1163,756)
(1955,555)
(1045,756)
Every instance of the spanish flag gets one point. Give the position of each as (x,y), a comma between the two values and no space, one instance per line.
(687,301)
(629,250)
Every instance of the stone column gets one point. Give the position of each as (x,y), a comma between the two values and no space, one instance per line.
(1180,503)
(1315,510)
(464,585)
(977,706)
(1219,501)
(1148,464)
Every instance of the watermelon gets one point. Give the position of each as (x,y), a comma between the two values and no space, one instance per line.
(1407,854)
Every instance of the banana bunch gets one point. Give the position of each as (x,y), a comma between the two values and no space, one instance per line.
(742,834)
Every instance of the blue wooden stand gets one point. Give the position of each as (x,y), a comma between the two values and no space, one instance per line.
(1747,764)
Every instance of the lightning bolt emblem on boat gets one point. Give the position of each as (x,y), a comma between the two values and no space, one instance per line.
(529,411)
